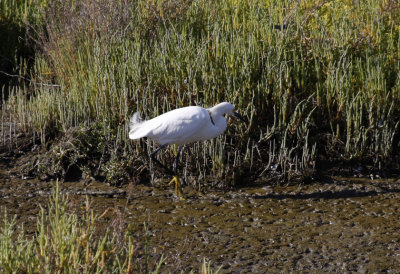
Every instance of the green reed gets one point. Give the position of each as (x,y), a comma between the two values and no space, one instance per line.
(325,84)
(69,241)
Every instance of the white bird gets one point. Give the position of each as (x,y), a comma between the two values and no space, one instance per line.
(182,126)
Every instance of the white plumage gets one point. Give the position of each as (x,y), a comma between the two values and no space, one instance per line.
(183,125)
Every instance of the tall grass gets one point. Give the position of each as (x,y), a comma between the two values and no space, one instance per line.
(16,53)
(63,243)
(317,80)
(68,242)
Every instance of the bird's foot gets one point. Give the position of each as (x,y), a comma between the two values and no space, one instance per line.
(178,187)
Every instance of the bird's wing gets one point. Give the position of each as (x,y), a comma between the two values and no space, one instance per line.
(180,126)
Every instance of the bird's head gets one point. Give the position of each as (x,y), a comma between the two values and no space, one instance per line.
(228,109)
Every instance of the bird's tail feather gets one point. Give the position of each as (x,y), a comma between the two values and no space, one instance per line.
(134,124)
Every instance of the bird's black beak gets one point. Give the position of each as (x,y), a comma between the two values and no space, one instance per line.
(240,117)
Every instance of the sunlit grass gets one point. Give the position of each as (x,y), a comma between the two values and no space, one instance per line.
(325,84)
(68,241)
(63,242)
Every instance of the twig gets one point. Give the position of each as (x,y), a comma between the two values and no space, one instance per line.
(31,81)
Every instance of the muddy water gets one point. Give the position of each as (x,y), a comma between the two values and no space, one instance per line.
(336,226)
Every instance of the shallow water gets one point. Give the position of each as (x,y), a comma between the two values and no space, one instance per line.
(345,224)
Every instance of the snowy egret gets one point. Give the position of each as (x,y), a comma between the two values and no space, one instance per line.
(182,126)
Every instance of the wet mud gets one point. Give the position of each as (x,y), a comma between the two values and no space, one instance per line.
(342,225)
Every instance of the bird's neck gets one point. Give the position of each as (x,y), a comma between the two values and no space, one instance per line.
(217,118)
(211,118)
(219,122)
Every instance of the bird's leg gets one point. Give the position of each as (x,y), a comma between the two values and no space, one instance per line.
(175,166)
(178,185)
(153,158)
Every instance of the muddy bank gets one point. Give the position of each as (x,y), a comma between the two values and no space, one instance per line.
(335,226)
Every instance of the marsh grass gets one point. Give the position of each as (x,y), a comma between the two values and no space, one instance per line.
(69,241)
(16,53)
(316,80)
(63,242)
